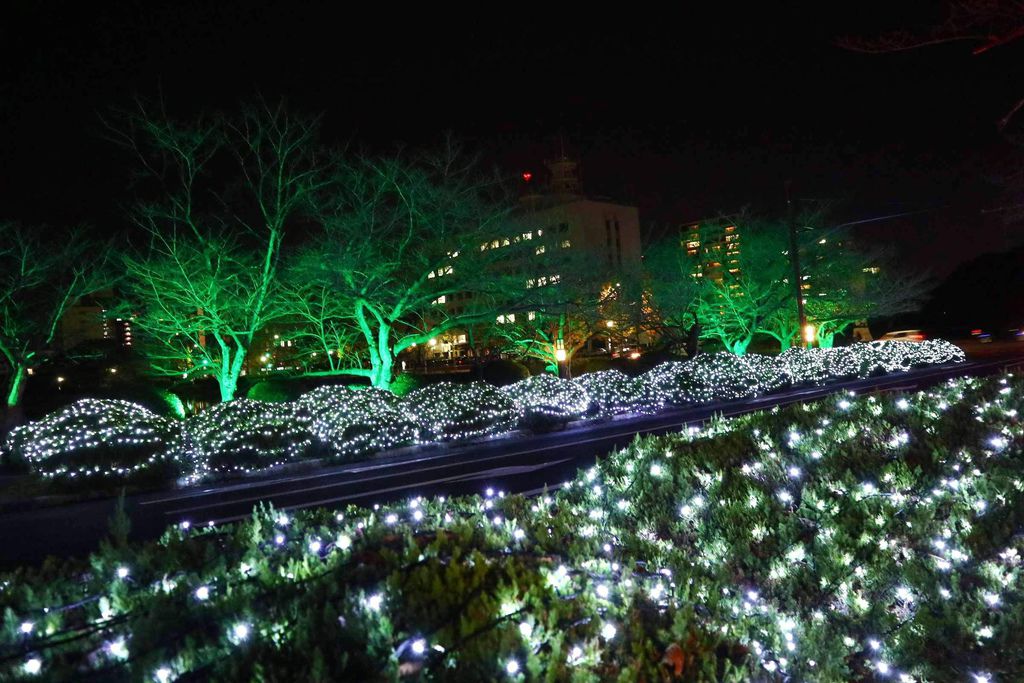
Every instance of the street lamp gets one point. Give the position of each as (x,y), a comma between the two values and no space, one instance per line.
(560,356)
(809,334)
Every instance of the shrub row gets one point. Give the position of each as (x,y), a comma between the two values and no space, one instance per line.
(117,439)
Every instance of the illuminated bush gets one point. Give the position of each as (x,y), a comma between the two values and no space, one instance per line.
(816,366)
(355,421)
(708,377)
(613,392)
(772,372)
(245,436)
(95,438)
(545,400)
(449,411)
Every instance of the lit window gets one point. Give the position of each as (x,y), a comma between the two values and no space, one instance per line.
(531,315)
(872,269)
(566,244)
(505,242)
(554,279)
(527,235)
(531,283)
(441,299)
(495,244)
(539,250)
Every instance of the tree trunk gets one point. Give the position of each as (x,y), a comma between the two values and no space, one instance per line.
(739,347)
(14,413)
(16,386)
(382,372)
(230,371)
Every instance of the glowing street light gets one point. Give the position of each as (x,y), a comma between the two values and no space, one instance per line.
(809,333)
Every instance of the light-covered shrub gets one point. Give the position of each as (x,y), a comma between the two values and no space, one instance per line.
(772,372)
(810,366)
(95,438)
(449,411)
(244,436)
(546,400)
(613,392)
(355,421)
(708,377)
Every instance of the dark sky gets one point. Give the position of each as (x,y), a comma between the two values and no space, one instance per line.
(684,114)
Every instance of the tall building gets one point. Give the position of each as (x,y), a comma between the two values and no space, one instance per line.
(714,247)
(600,225)
(556,215)
(90,320)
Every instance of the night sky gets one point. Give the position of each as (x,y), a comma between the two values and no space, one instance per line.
(685,115)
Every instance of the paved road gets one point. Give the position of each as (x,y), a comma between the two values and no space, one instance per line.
(524,464)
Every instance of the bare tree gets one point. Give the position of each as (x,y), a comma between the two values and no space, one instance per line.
(207,282)
(41,276)
(573,300)
(987,24)
(413,247)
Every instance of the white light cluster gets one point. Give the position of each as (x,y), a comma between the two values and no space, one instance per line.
(356,421)
(613,392)
(244,436)
(94,437)
(447,411)
(548,396)
(708,377)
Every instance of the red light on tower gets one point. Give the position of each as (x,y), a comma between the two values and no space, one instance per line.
(526,176)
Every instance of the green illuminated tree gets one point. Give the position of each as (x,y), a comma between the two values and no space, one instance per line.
(42,274)
(738,294)
(207,282)
(412,247)
(670,292)
(572,300)
(844,282)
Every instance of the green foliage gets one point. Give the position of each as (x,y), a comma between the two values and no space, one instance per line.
(406,382)
(274,391)
(863,539)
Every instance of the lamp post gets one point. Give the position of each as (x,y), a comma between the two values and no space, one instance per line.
(794,259)
(560,356)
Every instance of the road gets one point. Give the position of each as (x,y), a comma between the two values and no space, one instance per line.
(523,464)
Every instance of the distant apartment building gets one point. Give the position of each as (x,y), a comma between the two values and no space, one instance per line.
(714,247)
(90,320)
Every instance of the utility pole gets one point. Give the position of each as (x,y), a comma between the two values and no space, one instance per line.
(794,259)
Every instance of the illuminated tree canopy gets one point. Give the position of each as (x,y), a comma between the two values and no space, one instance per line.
(411,247)
(738,296)
(207,281)
(41,276)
